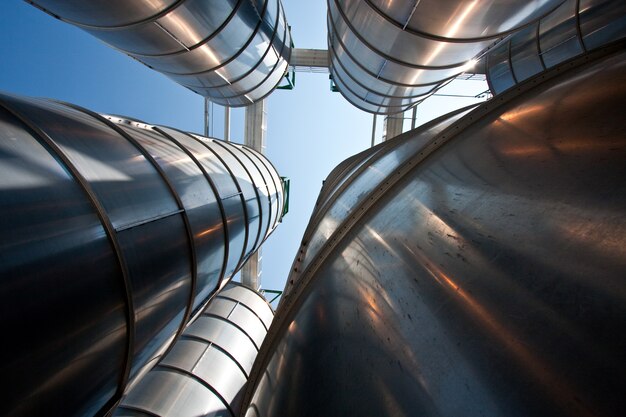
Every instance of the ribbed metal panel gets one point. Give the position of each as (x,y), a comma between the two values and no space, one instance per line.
(206,371)
(387,56)
(474,266)
(112,233)
(233,51)
(576,27)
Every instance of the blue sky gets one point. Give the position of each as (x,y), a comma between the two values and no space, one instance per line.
(310,129)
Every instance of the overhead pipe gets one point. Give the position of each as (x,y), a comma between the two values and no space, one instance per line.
(234,52)
(113,234)
(388,56)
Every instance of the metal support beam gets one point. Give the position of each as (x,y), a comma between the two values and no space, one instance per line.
(413,117)
(316,58)
(373,129)
(254,137)
(393,126)
(208,117)
(227,124)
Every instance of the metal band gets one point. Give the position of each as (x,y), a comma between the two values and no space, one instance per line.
(578,28)
(332,26)
(239,52)
(86,26)
(201,381)
(190,241)
(63,160)
(138,410)
(243,203)
(218,347)
(244,305)
(217,199)
(376,51)
(269,47)
(333,54)
(439,38)
(276,186)
(258,198)
(233,324)
(269,198)
(539,53)
(510,59)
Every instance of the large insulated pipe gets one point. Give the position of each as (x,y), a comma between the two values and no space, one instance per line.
(573,29)
(234,52)
(206,371)
(387,56)
(475,266)
(112,234)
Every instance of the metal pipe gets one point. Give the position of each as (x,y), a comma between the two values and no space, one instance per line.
(208,367)
(234,52)
(387,56)
(570,31)
(113,234)
(472,266)
(227,124)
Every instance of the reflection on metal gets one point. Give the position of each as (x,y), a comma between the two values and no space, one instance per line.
(206,371)
(112,233)
(387,56)
(573,29)
(474,266)
(234,52)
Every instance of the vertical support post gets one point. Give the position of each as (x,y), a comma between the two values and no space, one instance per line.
(373,129)
(414,117)
(206,116)
(393,125)
(254,137)
(227,124)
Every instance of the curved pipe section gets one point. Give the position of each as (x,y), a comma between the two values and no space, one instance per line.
(234,52)
(206,371)
(576,27)
(388,56)
(112,234)
(482,274)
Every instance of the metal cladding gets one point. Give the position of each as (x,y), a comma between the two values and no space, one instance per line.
(387,56)
(571,30)
(234,52)
(112,233)
(475,266)
(206,371)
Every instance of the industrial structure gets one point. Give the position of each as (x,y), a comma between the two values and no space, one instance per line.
(472,266)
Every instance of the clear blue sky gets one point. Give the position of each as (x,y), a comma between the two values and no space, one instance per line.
(310,129)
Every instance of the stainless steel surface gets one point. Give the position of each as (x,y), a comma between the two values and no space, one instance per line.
(233,51)
(572,29)
(388,56)
(113,232)
(482,273)
(206,371)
